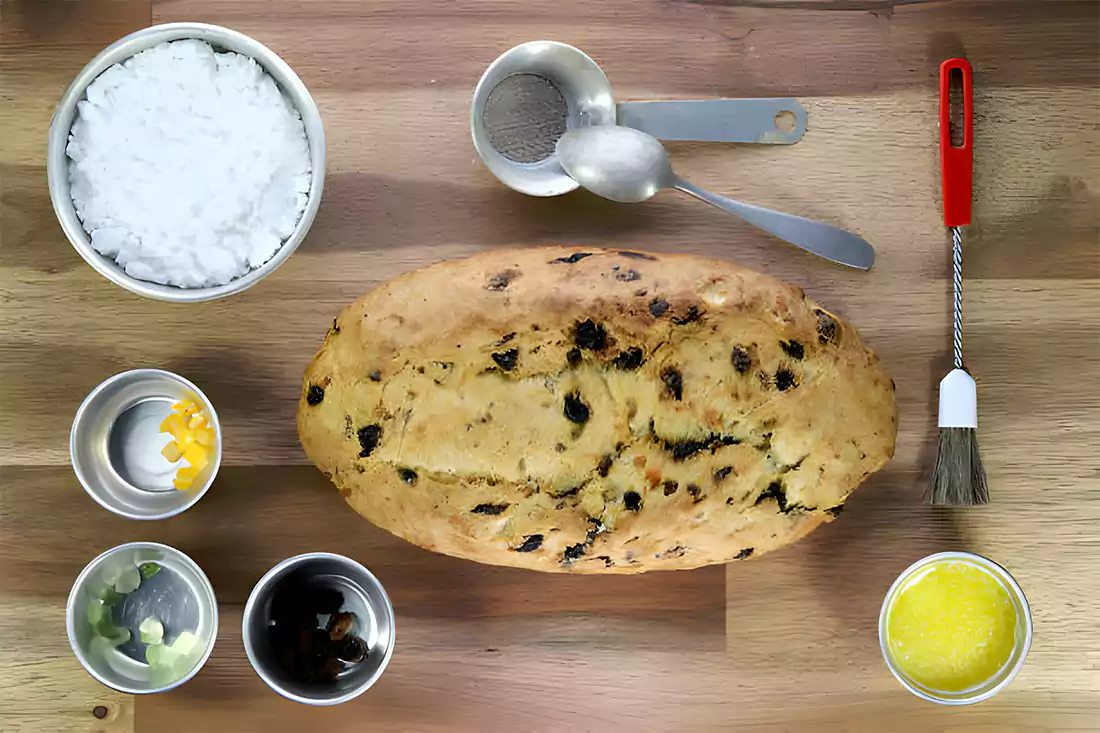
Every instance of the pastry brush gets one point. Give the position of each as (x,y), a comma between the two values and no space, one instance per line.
(958,478)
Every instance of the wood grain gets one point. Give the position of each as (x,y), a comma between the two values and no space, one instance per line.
(783,643)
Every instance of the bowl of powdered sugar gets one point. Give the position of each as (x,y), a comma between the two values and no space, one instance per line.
(186,162)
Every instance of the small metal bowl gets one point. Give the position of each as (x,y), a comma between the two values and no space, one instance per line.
(115,444)
(222,39)
(363,596)
(182,599)
(1019,653)
(587,94)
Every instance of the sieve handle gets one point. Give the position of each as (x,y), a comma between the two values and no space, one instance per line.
(764,121)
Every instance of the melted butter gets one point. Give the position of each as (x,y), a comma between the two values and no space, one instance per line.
(951,627)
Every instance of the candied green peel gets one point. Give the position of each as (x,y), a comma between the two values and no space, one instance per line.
(117,581)
(151,631)
(167,662)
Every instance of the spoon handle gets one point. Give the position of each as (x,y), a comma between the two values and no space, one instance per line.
(821,239)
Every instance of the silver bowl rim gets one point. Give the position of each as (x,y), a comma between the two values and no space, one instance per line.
(71,602)
(129,374)
(250,609)
(57,166)
(1014,588)
(556,185)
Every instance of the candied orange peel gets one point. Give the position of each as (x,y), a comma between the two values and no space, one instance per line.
(193,440)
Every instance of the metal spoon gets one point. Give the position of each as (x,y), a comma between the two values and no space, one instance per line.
(629,166)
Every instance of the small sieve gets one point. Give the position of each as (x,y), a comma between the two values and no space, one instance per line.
(537,91)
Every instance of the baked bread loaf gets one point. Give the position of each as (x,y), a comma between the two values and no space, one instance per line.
(595,411)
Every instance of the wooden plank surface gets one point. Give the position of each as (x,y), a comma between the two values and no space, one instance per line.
(783,643)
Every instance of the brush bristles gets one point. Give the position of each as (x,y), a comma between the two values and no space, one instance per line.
(959,478)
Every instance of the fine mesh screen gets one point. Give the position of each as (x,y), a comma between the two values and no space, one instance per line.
(524,117)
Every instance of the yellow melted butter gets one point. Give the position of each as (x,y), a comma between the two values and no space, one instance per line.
(951,627)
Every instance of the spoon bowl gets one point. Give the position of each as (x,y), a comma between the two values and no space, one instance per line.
(617,163)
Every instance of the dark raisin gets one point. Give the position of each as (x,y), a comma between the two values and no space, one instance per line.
(674,383)
(658,307)
(632,500)
(369,437)
(408,476)
(573,552)
(696,492)
(691,316)
(793,349)
(335,329)
(637,255)
(506,360)
(571,259)
(746,553)
(589,335)
(605,466)
(530,543)
(677,551)
(740,359)
(784,379)
(501,280)
(775,491)
(721,474)
(375,376)
(568,492)
(315,395)
(835,510)
(575,410)
(573,358)
(339,624)
(670,487)
(591,535)
(559,447)
(490,509)
(353,650)
(629,360)
(607,561)
(628,276)
(826,327)
(685,449)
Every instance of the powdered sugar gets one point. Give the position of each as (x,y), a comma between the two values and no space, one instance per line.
(188,167)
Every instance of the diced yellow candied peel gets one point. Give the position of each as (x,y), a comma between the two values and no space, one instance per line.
(175,425)
(197,456)
(187,408)
(194,439)
(172,452)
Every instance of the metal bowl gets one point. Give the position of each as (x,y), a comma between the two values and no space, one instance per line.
(587,94)
(363,596)
(183,600)
(115,444)
(222,39)
(1019,653)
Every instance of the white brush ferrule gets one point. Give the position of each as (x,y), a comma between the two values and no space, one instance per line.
(958,400)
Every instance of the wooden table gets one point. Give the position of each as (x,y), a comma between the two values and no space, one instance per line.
(786,643)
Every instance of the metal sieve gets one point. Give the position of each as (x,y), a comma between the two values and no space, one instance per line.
(586,94)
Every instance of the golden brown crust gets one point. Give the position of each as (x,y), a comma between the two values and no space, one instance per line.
(585,410)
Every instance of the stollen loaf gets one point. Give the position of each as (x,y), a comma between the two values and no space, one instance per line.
(595,411)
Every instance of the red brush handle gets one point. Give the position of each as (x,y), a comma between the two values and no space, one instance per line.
(956,163)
